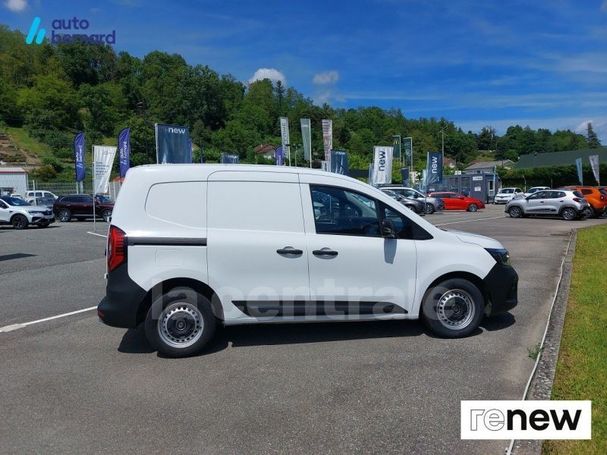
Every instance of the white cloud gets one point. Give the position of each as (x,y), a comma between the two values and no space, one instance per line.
(16,5)
(326,77)
(268,73)
(581,128)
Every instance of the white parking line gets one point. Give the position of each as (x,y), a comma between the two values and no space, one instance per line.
(98,235)
(10,328)
(471,220)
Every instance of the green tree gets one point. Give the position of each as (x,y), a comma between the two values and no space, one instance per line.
(592,138)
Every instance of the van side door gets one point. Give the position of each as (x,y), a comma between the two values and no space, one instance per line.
(354,271)
(257,257)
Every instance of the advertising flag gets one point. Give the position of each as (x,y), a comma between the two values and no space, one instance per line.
(382,164)
(404,172)
(370,178)
(434,168)
(306,138)
(397,143)
(408,147)
(229,158)
(594,164)
(103,160)
(279,156)
(327,137)
(339,162)
(284,135)
(173,144)
(580,175)
(79,156)
(124,150)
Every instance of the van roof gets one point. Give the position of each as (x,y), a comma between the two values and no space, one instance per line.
(202,171)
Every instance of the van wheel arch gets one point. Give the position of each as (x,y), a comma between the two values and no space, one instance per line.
(474,279)
(165,286)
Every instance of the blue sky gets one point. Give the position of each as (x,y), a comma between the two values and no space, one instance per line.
(541,63)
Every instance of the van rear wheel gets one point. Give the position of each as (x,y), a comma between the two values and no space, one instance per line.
(453,308)
(180,322)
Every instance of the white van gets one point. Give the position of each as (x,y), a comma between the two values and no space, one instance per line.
(191,246)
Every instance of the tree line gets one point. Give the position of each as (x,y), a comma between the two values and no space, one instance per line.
(56,90)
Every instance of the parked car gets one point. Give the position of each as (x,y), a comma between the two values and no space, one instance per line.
(535,189)
(433,204)
(567,204)
(80,207)
(455,201)
(33,196)
(19,214)
(595,197)
(418,206)
(504,195)
(265,244)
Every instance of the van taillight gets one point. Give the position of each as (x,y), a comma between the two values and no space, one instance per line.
(116,248)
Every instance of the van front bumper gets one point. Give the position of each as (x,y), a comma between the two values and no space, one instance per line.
(123,299)
(501,286)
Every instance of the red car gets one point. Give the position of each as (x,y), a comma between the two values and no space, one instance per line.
(455,201)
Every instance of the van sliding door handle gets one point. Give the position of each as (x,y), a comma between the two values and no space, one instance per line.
(289,250)
(324,252)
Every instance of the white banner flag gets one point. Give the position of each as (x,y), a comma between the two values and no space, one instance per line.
(284,134)
(594,164)
(306,138)
(103,159)
(382,164)
(327,137)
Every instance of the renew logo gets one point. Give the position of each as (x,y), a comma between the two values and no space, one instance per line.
(35,32)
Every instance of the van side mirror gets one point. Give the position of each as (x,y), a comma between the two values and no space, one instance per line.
(388,231)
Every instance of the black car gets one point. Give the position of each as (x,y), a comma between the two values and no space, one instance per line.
(80,206)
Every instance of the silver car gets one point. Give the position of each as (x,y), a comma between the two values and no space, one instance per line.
(432,204)
(567,204)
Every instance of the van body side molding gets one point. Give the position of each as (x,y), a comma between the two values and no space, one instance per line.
(280,308)
(162,241)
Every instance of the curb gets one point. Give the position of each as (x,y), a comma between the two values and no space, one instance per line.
(540,385)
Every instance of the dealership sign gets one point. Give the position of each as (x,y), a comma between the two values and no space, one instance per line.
(68,30)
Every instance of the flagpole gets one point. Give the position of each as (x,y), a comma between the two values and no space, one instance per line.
(94,173)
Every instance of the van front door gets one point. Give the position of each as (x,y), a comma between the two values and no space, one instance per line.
(256,244)
(354,271)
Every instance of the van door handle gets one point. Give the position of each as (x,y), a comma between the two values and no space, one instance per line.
(324,252)
(289,250)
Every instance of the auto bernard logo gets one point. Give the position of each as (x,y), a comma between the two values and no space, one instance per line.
(512,419)
(66,31)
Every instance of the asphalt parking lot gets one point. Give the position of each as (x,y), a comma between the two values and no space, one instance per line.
(73,385)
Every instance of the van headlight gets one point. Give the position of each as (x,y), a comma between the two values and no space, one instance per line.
(500,255)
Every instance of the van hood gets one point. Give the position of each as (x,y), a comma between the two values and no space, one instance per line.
(480,240)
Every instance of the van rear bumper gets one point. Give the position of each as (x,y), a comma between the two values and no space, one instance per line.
(122,301)
(501,286)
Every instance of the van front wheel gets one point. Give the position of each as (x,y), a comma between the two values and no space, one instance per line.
(453,308)
(180,322)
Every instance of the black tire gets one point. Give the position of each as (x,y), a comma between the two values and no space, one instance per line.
(472,208)
(429,209)
(569,214)
(515,212)
(64,215)
(106,215)
(180,322)
(44,224)
(453,308)
(19,222)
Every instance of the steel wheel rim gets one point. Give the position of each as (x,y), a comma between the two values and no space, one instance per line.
(180,325)
(455,309)
(568,214)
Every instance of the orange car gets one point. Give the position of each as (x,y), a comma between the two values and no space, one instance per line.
(596,197)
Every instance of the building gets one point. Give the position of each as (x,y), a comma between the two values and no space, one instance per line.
(13,180)
(566,158)
(480,185)
(487,166)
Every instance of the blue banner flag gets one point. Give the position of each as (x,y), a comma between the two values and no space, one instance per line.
(279,154)
(173,144)
(434,168)
(404,172)
(227,158)
(339,162)
(580,174)
(124,151)
(79,144)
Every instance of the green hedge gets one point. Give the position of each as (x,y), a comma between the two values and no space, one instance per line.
(554,177)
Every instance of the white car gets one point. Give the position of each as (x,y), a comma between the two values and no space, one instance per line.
(19,214)
(33,196)
(263,244)
(535,189)
(505,195)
